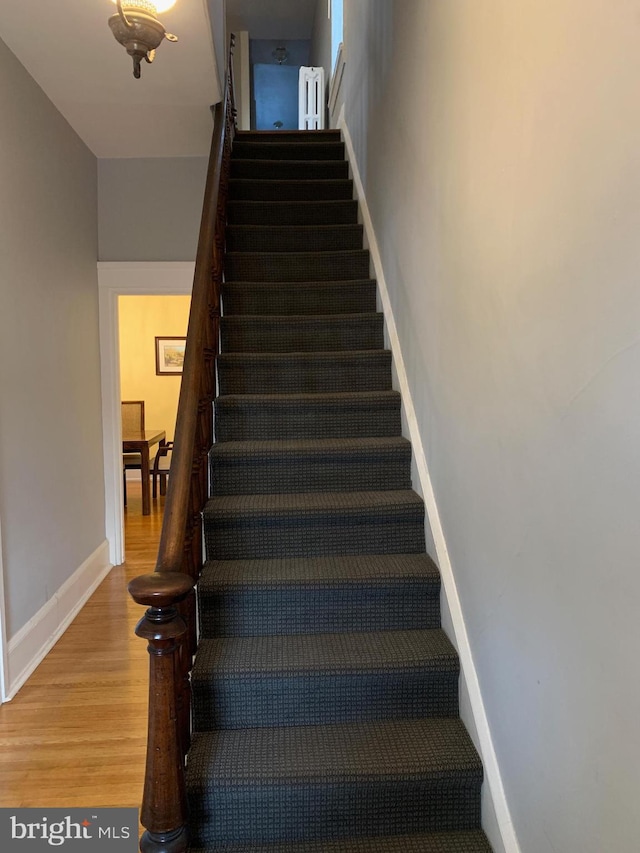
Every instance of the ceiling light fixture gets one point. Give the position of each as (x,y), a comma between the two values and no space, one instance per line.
(281,55)
(136,26)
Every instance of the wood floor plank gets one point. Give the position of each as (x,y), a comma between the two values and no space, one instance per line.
(75,734)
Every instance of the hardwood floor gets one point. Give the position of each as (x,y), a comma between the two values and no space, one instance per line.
(75,734)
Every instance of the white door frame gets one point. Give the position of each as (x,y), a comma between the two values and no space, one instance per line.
(4,641)
(121,278)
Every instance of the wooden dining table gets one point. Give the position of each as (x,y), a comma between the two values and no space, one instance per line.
(140,441)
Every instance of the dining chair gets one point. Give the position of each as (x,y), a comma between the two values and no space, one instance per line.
(160,469)
(132,415)
(132,421)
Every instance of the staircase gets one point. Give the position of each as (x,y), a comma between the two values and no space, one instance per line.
(325,694)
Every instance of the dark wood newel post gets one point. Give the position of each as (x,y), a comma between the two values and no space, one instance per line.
(164,804)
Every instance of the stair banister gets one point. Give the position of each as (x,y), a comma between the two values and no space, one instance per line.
(169,624)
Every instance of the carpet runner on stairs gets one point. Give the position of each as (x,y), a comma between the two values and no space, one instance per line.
(325,694)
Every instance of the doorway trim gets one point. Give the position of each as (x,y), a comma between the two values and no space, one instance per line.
(125,278)
(4,643)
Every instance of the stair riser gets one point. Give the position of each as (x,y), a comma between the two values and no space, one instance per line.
(288,151)
(248,814)
(297,266)
(320,610)
(295,473)
(298,299)
(311,376)
(302,170)
(245,422)
(293,213)
(336,335)
(324,238)
(321,190)
(253,702)
(257,538)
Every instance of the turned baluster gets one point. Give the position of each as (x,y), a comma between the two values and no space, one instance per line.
(164,804)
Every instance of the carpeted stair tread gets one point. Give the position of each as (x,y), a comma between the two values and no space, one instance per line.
(294,238)
(243,189)
(330,654)
(246,417)
(302,333)
(321,572)
(299,297)
(474,841)
(291,150)
(313,524)
(306,679)
(297,266)
(304,373)
(295,783)
(278,170)
(393,592)
(331,212)
(292,136)
(309,504)
(387,750)
(278,448)
(303,465)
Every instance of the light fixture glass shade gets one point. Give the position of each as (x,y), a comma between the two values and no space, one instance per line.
(152,7)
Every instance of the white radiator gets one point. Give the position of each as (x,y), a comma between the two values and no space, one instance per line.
(311,107)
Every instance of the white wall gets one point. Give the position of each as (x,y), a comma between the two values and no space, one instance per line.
(150,209)
(499,146)
(51,473)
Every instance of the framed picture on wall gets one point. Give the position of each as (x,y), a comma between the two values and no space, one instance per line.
(169,356)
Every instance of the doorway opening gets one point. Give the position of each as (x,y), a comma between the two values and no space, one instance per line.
(117,279)
(275,69)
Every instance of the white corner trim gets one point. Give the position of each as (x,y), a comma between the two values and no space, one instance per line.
(487,750)
(35,639)
(4,659)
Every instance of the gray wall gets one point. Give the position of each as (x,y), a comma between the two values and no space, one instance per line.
(218,18)
(51,475)
(150,209)
(321,47)
(321,40)
(499,145)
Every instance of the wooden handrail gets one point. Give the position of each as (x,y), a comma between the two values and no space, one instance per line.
(198,377)
(170,621)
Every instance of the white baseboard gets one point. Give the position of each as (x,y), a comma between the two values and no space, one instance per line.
(485,742)
(35,639)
